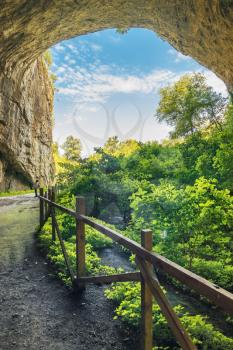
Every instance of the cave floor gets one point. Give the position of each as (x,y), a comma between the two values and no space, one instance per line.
(36,310)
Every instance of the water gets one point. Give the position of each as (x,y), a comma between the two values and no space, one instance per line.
(116,258)
(19,216)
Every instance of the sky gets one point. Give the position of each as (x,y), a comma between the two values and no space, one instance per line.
(108,84)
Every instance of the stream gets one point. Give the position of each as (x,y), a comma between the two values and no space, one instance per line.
(116,258)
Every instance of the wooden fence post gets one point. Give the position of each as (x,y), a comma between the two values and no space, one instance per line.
(146,298)
(55,193)
(45,205)
(53,198)
(50,198)
(80,238)
(41,207)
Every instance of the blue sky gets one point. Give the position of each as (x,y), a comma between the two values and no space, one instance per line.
(108,85)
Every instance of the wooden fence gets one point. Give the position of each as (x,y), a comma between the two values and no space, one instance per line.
(146,261)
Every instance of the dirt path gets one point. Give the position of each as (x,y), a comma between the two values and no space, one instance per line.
(36,310)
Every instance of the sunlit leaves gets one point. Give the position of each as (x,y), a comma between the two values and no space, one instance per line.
(190,105)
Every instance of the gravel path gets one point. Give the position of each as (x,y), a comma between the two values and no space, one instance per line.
(36,310)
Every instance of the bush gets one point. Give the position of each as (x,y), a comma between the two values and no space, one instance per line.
(128,300)
(215,271)
(94,239)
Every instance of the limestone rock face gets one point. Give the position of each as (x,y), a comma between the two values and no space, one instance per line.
(202,29)
(26,106)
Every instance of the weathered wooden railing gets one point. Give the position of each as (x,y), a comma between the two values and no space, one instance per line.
(146,261)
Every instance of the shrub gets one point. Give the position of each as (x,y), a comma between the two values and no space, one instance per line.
(94,239)
(215,271)
(127,298)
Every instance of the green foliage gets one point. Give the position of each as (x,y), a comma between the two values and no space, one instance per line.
(122,30)
(190,225)
(206,336)
(109,177)
(94,242)
(222,161)
(189,105)
(72,149)
(128,300)
(197,153)
(218,272)
(15,193)
(96,239)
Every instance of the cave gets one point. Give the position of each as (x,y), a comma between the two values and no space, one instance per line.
(200,29)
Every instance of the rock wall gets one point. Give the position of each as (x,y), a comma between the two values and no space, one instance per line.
(202,29)
(26,109)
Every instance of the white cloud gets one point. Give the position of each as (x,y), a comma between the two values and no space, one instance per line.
(217,84)
(67,91)
(93,81)
(71,61)
(71,47)
(59,47)
(178,56)
(98,82)
(60,70)
(96,47)
(115,39)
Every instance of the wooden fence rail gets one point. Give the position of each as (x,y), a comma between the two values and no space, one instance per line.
(146,261)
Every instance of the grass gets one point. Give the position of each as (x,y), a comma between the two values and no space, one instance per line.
(14,193)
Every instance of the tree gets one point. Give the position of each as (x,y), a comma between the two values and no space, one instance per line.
(223,163)
(111,145)
(191,225)
(72,148)
(189,105)
(122,30)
